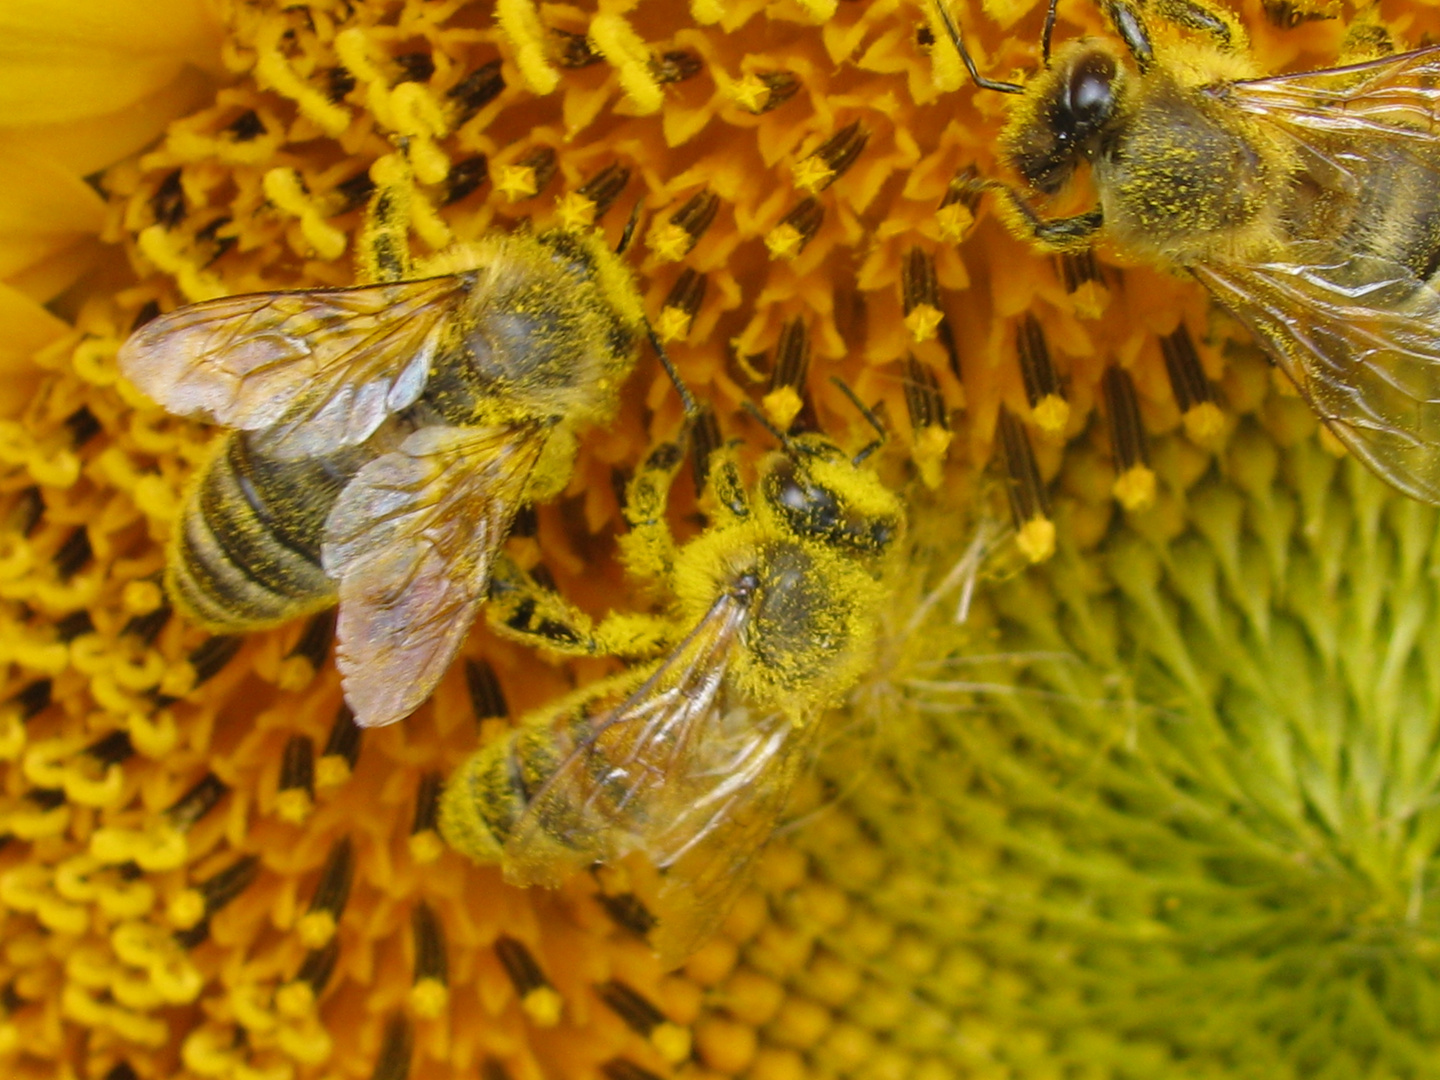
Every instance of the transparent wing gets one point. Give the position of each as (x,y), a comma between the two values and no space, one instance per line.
(676,770)
(411,541)
(1394,98)
(326,365)
(1360,338)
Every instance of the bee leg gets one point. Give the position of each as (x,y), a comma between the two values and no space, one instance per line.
(1059,234)
(648,549)
(1129,22)
(522,609)
(384,251)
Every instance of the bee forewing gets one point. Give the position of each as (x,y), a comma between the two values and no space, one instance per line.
(675,771)
(1393,98)
(1360,338)
(411,541)
(328,365)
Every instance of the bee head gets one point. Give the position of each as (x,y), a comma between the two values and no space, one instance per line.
(1065,111)
(822,496)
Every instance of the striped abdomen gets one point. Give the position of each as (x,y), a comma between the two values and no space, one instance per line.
(246,550)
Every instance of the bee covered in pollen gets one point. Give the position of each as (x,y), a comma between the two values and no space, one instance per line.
(385,435)
(771,615)
(1308,204)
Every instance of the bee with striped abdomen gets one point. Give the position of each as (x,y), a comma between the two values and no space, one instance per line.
(385,436)
(1308,204)
(688,758)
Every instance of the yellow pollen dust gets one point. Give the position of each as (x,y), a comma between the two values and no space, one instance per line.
(923,321)
(1052,413)
(1036,539)
(1134,489)
(784,242)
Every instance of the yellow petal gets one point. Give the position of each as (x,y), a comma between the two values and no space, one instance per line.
(65,59)
(28,327)
(45,209)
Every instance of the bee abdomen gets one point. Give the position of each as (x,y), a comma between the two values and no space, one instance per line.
(247,549)
(488,795)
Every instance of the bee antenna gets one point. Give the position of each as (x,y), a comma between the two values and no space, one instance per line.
(869,414)
(687,399)
(1049,29)
(629,233)
(780,436)
(975,76)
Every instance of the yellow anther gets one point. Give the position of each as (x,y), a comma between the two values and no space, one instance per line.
(930,448)
(35,823)
(923,321)
(352,46)
(315,929)
(159,847)
(308,1043)
(9,1039)
(162,249)
(425,846)
(428,224)
(293,805)
(16,443)
(45,761)
(12,734)
(152,735)
(90,654)
(1134,489)
(84,788)
(90,966)
(295,1000)
(812,174)
(543,1006)
(707,12)
(520,22)
(24,888)
(125,899)
(294,673)
(1036,539)
(94,361)
(750,93)
(673,324)
(515,182)
(1204,423)
(417,113)
(135,990)
(139,944)
(784,242)
(1052,413)
(141,672)
(141,597)
(616,40)
(672,1041)
(185,909)
(53,469)
(210,1051)
(178,680)
(253,1007)
(16,558)
(332,770)
(1090,300)
(428,998)
(74,878)
(286,190)
(156,499)
(669,241)
(273,72)
(782,406)
(61,917)
(955,222)
(819,10)
(945,67)
(575,211)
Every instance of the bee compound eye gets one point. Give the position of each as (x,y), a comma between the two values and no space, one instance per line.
(1091,93)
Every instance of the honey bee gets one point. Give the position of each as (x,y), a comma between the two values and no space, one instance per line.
(688,757)
(385,436)
(1308,205)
